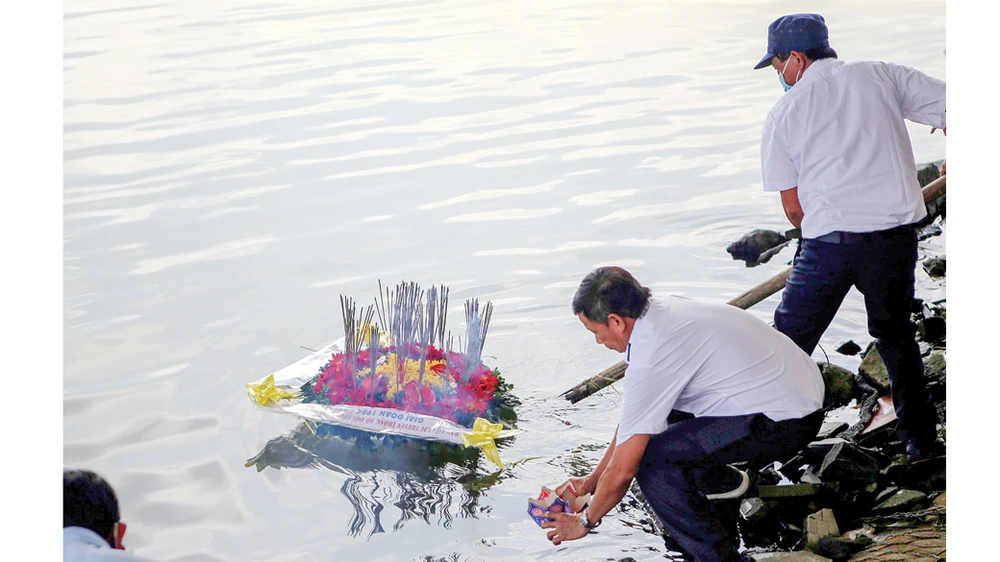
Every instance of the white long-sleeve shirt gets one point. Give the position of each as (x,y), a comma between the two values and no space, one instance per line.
(84,545)
(712,359)
(839,136)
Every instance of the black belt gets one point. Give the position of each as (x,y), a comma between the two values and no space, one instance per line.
(839,237)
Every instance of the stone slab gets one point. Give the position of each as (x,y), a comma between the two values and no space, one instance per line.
(902,500)
(797,556)
(873,369)
(797,490)
(818,525)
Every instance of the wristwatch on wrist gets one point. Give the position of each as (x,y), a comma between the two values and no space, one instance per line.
(586,522)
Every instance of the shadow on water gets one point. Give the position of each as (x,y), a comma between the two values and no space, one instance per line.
(425,481)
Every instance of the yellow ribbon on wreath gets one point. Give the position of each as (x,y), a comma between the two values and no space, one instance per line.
(265,392)
(482,435)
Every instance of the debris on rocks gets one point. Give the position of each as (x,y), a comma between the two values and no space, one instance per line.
(852,494)
(935,267)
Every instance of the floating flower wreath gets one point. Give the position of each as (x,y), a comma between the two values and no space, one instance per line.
(403,363)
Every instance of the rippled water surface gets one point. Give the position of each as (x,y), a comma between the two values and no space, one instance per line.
(231,168)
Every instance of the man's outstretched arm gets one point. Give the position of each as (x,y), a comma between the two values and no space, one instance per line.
(612,485)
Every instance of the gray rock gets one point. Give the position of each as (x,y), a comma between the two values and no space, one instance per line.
(818,525)
(939,308)
(935,366)
(826,444)
(798,556)
(927,475)
(902,500)
(886,494)
(838,549)
(864,535)
(755,509)
(831,429)
(873,370)
(931,329)
(850,465)
(928,231)
(753,245)
(935,267)
(797,490)
(936,208)
(928,173)
(840,382)
(849,348)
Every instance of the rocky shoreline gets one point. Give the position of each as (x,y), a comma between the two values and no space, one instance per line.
(852,495)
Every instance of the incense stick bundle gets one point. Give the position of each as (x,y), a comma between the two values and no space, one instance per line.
(373,337)
(350,332)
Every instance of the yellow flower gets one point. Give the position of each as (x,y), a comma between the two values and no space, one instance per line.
(411,372)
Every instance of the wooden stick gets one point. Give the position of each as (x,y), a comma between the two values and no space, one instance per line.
(609,376)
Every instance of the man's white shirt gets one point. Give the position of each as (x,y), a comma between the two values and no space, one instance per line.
(712,359)
(84,545)
(839,136)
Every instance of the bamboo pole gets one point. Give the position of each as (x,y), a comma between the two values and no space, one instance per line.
(931,192)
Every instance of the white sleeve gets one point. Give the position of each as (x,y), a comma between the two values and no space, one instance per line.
(922,98)
(775,160)
(649,398)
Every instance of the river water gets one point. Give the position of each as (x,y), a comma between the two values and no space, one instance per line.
(231,168)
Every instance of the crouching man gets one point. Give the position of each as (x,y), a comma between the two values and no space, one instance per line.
(707,385)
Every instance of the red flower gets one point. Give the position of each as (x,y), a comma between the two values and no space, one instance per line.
(411,397)
(483,383)
(427,396)
(362,395)
(434,354)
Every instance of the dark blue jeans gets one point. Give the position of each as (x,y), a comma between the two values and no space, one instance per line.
(881,265)
(681,464)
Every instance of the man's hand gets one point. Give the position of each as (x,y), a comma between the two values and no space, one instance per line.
(565,527)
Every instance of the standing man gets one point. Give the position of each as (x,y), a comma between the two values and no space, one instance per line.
(836,147)
(707,385)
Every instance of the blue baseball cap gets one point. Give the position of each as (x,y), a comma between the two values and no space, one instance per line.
(794,32)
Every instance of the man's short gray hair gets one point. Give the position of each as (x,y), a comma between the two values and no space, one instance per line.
(610,290)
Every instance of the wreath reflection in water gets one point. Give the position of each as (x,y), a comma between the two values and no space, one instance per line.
(391,480)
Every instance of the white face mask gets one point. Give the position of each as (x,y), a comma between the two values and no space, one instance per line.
(781,76)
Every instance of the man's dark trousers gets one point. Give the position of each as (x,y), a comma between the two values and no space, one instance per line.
(688,460)
(881,265)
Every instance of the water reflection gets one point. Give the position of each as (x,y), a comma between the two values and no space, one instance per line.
(424,481)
